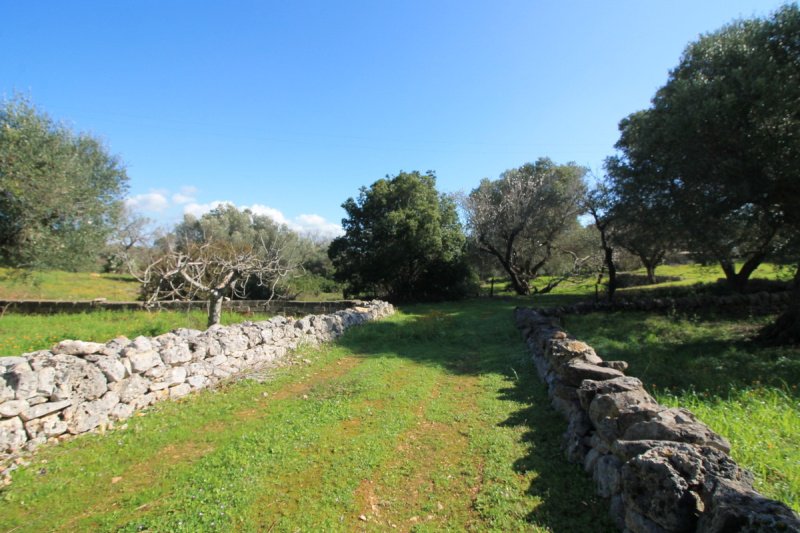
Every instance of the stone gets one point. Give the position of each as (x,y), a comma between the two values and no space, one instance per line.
(197,382)
(13,408)
(733,506)
(606,475)
(44,409)
(563,351)
(77,378)
(7,364)
(89,415)
(121,411)
(665,483)
(156,372)
(47,427)
(6,390)
(25,383)
(612,414)
(575,371)
(131,388)
(180,391)
(73,347)
(622,366)
(46,381)
(143,361)
(233,344)
(176,354)
(12,434)
(112,369)
(676,424)
(175,376)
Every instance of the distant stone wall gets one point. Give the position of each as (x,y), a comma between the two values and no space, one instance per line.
(284,307)
(78,386)
(758,303)
(662,469)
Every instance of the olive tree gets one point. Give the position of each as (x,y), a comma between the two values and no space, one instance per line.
(519,217)
(225,253)
(60,191)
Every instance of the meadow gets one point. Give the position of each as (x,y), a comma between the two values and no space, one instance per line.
(432,419)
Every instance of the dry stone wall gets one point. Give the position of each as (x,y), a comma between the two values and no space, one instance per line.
(78,386)
(661,468)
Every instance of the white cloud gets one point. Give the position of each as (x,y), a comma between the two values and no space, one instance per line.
(316,225)
(271,212)
(152,201)
(304,224)
(187,194)
(199,210)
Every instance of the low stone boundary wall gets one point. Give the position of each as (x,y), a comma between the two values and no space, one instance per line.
(661,468)
(78,386)
(285,307)
(760,303)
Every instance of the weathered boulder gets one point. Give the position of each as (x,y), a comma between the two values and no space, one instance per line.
(143,361)
(131,388)
(676,424)
(13,408)
(12,434)
(43,409)
(731,505)
(74,347)
(665,483)
(77,378)
(112,368)
(575,371)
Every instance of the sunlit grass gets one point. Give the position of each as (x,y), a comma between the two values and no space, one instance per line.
(57,285)
(27,333)
(706,363)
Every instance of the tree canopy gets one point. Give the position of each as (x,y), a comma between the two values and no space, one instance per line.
(60,191)
(716,155)
(402,240)
(224,253)
(519,218)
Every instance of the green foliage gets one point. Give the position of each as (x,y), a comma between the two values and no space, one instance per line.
(60,191)
(519,217)
(402,240)
(715,157)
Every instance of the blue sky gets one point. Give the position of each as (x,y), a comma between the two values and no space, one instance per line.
(290,107)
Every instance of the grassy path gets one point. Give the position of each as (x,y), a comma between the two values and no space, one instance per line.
(431,420)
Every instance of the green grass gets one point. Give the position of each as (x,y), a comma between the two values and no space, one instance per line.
(430,420)
(57,285)
(26,333)
(706,363)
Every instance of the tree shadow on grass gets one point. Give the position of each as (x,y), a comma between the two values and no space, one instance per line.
(476,338)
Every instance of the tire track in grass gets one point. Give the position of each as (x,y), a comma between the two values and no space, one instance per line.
(425,480)
(320,494)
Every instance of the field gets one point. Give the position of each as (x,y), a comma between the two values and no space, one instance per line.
(429,420)
(432,419)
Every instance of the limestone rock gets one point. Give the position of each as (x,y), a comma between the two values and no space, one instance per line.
(575,371)
(44,409)
(13,408)
(73,347)
(175,376)
(733,506)
(47,427)
(112,369)
(12,434)
(77,378)
(143,361)
(180,391)
(131,388)
(176,354)
(676,424)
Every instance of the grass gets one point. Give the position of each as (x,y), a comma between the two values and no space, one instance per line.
(706,363)
(430,420)
(57,285)
(26,333)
